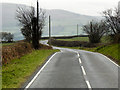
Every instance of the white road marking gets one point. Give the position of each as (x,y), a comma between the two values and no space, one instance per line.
(109,59)
(83,70)
(40,71)
(88,84)
(84,73)
(80,61)
(78,55)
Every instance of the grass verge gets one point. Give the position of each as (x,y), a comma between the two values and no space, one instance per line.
(19,70)
(112,51)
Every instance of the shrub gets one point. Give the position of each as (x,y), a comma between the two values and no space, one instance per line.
(15,51)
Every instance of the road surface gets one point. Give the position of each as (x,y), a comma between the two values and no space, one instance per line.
(77,69)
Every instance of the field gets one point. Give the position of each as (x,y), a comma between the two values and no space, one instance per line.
(19,70)
(103,39)
(76,39)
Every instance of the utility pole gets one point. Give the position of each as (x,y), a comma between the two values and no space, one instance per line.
(49,30)
(35,29)
(49,27)
(77,30)
(37,20)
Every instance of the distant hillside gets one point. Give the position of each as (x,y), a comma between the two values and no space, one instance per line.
(63,22)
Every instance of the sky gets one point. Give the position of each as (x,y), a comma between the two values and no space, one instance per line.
(86,7)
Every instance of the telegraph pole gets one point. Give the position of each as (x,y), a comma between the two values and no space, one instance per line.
(37,26)
(77,30)
(49,27)
(49,30)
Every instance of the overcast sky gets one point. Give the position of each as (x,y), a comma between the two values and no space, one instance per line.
(87,7)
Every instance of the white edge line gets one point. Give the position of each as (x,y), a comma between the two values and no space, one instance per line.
(78,55)
(83,70)
(40,71)
(88,84)
(110,60)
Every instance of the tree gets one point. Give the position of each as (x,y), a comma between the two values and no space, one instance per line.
(32,25)
(8,37)
(3,35)
(113,20)
(95,31)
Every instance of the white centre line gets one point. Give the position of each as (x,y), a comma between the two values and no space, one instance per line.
(88,84)
(78,55)
(84,73)
(80,61)
(39,71)
(83,70)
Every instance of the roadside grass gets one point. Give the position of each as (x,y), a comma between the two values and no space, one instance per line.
(19,70)
(112,51)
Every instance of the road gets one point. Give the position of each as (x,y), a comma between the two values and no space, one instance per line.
(77,69)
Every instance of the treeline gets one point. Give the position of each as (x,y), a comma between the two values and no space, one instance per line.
(110,26)
(6,37)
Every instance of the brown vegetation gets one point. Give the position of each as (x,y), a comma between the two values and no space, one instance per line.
(17,50)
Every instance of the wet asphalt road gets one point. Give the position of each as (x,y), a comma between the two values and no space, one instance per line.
(77,69)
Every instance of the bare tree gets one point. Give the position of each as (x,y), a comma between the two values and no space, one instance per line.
(95,30)
(113,20)
(31,23)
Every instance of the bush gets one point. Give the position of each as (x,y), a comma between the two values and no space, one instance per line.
(115,38)
(15,51)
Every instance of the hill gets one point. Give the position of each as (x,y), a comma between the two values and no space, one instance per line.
(63,21)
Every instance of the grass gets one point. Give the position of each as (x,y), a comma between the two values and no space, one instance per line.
(6,44)
(18,71)
(76,39)
(112,51)
(104,39)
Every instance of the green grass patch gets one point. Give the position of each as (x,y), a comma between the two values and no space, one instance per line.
(104,39)
(6,44)
(18,70)
(76,39)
